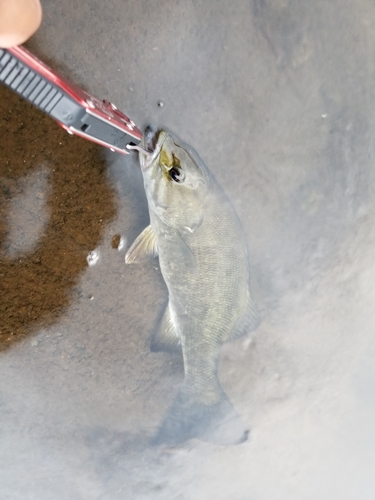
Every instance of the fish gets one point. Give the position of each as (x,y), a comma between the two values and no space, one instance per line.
(203,257)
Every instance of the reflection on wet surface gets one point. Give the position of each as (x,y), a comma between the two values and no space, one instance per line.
(27,214)
(55,202)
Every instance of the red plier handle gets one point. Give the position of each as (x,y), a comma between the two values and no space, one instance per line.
(74,109)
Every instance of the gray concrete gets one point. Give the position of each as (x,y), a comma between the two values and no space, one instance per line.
(278,99)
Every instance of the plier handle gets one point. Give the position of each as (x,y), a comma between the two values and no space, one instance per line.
(74,109)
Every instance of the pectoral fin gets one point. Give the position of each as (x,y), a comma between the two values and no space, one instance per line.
(143,248)
(166,337)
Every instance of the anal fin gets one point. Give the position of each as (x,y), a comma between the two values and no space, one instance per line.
(166,337)
(143,248)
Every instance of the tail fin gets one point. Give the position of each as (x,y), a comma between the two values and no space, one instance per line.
(217,423)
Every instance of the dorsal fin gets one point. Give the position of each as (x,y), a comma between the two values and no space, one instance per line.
(249,321)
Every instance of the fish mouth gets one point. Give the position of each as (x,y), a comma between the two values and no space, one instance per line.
(150,138)
(153,141)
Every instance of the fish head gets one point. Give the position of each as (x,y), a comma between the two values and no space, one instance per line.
(176,181)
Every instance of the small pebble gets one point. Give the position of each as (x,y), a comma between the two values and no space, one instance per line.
(160,104)
(117,242)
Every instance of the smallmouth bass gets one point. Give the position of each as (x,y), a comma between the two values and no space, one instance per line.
(203,258)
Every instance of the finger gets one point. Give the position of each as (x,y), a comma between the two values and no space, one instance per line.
(19,19)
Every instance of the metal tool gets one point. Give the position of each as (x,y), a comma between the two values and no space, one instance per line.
(74,109)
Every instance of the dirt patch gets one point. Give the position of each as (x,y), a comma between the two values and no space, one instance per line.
(37,286)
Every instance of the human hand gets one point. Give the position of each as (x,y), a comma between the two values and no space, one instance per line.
(19,19)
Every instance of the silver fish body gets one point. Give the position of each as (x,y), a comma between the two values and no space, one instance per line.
(203,257)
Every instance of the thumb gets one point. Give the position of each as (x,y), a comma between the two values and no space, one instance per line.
(19,19)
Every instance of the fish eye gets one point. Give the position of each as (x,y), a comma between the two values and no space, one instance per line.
(176,174)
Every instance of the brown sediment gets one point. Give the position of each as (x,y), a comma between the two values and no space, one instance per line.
(36,287)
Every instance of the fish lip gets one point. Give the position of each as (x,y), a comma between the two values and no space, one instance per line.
(151,138)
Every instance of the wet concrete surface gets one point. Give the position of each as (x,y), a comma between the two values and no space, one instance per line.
(277,97)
